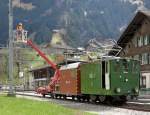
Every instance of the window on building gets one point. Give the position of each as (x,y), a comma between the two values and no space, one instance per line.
(36,75)
(129,46)
(137,42)
(140,58)
(140,41)
(145,39)
(123,53)
(148,39)
(136,57)
(142,61)
(40,74)
(134,42)
(148,58)
(145,58)
(143,82)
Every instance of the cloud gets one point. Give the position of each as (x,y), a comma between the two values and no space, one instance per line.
(47,12)
(140,4)
(136,2)
(122,28)
(24,6)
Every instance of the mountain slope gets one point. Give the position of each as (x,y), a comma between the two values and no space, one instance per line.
(81,19)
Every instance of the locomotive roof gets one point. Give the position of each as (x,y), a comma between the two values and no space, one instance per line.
(104,58)
(110,57)
(114,57)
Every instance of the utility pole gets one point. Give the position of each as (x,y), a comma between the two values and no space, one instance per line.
(10,16)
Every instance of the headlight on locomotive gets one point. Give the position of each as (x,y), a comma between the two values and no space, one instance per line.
(136,90)
(118,90)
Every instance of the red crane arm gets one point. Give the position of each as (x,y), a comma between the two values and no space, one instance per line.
(29,42)
(56,76)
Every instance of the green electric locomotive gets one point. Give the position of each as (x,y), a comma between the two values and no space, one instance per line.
(110,79)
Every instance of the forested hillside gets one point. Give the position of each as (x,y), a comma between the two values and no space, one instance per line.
(81,20)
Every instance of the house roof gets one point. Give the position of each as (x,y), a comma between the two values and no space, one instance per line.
(39,68)
(61,64)
(132,27)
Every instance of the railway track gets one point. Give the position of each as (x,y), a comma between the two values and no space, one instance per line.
(130,106)
(137,107)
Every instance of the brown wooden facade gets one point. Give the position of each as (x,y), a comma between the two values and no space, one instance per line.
(135,42)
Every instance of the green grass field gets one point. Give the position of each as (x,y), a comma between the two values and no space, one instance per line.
(20,106)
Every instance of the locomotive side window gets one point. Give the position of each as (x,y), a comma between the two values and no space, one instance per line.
(143,82)
(106,67)
(107,76)
(116,66)
(103,74)
(125,65)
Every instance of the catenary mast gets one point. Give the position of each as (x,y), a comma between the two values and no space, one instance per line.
(10,16)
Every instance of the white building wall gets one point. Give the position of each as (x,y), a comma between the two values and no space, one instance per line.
(31,82)
(147,79)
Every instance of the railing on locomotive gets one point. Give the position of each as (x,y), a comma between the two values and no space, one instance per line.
(20,36)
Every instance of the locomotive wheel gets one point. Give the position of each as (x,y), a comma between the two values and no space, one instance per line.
(88,98)
(109,100)
(102,99)
(93,98)
(56,96)
(59,96)
(79,98)
(84,98)
(73,98)
(123,99)
(52,95)
(64,97)
(115,100)
(43,95)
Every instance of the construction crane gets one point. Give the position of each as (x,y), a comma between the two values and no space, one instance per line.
(54,79)
(21,37)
